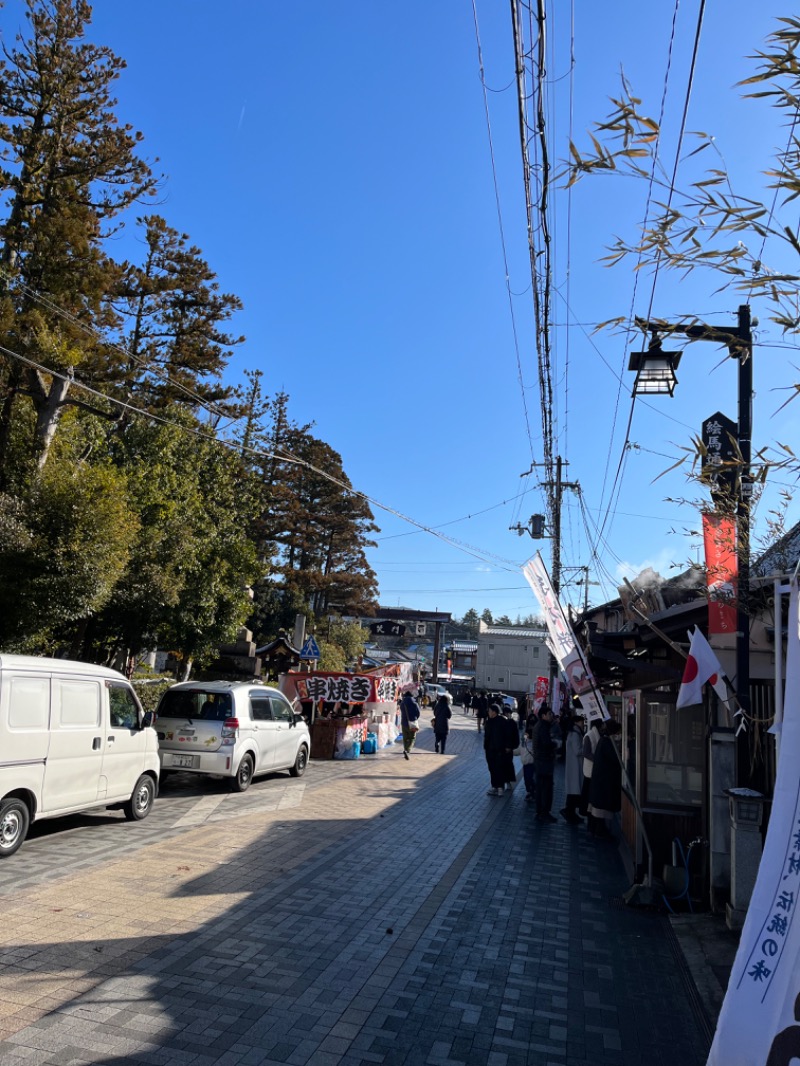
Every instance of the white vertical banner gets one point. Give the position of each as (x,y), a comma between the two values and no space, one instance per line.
(562,641)
(759,1024)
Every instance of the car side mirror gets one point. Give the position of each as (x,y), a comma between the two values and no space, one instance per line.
(148,719)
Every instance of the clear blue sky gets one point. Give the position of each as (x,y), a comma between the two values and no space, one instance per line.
(332,162)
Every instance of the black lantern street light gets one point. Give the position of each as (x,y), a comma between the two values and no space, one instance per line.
(655,374)
(655,370)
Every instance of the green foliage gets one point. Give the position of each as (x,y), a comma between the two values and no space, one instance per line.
(63,549)
(343,645)
(69,166)
(707,224)
(172,313)
(151,690)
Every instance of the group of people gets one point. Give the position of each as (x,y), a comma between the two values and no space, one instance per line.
(592,768)
(409,721)
(479,702)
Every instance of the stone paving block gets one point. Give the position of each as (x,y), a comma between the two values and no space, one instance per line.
(504,949)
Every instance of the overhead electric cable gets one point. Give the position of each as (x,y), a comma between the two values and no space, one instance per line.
(280,454)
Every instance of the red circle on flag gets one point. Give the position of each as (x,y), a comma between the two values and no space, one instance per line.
(690,673)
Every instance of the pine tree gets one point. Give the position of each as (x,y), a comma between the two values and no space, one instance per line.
(172,312)
(70,168)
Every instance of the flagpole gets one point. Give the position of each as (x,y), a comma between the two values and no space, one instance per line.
(685,655)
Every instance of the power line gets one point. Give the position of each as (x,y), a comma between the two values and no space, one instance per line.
(281,454)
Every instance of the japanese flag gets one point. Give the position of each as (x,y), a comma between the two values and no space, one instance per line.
(701,666)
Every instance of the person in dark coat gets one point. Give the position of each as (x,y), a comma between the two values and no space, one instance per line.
(544,762)
(441,721)
(494,747)
(409,719)
(466,700)
(605,789)
(512,743)
(481,708)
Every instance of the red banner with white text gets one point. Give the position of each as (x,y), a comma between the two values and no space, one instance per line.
(719,536)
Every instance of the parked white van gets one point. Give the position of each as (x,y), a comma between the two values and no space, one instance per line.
(72,736)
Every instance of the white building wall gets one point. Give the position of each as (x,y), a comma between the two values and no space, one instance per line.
(509,661)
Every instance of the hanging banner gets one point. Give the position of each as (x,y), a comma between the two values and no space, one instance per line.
(719,537)
(562,641)
(540,693)
(760,1017)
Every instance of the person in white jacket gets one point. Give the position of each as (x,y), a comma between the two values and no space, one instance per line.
(573,770)
(589,744)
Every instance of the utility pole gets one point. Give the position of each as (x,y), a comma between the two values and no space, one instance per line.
(585,580)
(536,524)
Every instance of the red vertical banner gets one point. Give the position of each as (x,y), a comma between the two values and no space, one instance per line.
(719,536)
(540,692)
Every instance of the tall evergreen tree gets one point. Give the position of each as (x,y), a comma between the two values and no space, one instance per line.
(69,167)
(173,313)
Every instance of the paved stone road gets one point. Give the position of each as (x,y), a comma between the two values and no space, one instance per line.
(381,911)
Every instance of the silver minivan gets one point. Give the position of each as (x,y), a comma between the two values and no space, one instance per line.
(230,729)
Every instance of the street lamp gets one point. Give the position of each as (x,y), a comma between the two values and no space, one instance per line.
(739,341)
(655,370)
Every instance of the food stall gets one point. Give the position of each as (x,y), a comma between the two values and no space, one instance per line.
(342,708)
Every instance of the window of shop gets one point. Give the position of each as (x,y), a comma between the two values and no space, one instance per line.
(674,756)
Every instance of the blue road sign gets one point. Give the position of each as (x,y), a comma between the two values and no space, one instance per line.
(310,650)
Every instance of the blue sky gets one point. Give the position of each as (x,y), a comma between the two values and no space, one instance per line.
(332,162)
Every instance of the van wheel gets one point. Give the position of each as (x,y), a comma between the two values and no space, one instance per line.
(244,775)
(14,822)
(141,801)
(300,763)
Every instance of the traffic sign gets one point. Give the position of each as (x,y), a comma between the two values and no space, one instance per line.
(310,649)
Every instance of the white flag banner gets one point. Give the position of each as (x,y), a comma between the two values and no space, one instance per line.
(562,643)
(759,1024)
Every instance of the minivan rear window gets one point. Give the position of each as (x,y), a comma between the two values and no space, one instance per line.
(197,704)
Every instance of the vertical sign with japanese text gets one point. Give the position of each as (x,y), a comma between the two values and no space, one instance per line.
(719,538)
(760,1018)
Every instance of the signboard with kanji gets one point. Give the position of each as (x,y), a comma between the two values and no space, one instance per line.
(339,688)
(719,437)
(387,629)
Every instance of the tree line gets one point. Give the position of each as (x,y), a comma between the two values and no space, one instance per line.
(144,501)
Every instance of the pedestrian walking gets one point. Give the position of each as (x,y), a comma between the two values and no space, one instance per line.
(605,791)
(494,744)
(589,745)
(441,722)
(409,722)
(466,700)
(481,709)
(573,770)
(526,758)
(512,744)
(544,761)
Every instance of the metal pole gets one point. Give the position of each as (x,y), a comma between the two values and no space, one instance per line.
(556,575)
(744,354)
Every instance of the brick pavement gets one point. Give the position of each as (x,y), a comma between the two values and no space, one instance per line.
(381,911)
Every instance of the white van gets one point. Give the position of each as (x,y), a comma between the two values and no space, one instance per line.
(72,736)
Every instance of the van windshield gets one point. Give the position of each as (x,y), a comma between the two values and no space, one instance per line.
(197,704)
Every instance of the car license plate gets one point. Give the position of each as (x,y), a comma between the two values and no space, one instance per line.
(183,760)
